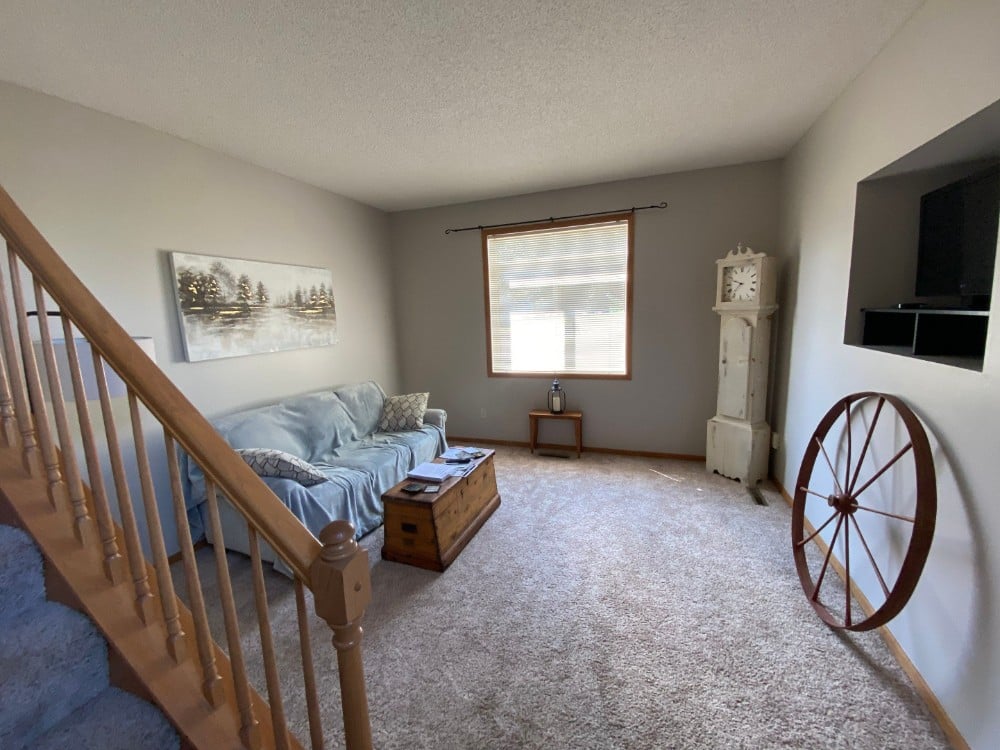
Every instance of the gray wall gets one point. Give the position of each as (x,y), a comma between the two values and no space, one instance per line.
(112,197)
(938,70)
(675,335)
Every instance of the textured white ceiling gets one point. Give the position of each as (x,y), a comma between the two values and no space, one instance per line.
(413,104)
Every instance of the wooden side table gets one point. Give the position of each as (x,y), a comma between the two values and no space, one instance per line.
(577,417)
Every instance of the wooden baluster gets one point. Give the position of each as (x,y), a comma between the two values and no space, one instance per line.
(22,412)
(267,645)
(56,488)
(133,545)
(81,516)
(249,726)
(114,564)
(211,679)
(8,421)
(308,671)
(175,634)
(342,590)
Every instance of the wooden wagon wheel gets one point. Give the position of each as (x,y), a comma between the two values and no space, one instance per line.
(832,475)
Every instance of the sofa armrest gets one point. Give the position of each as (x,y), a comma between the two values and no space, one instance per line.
(436,417)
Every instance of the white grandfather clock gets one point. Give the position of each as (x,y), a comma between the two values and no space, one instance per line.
(738,437)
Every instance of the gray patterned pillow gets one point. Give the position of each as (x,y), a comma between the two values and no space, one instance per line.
(403,412)
(270,462)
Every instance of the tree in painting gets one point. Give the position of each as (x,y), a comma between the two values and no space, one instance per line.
(244,289)
(197,291)
(225,278)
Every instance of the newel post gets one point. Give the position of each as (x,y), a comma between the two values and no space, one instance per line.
(342,589)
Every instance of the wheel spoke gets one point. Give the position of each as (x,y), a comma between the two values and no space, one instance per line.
(890,515)
(847,469)
(884,469)
(811,536)
(828,463)
(826,562)
(813,492)
(847,574)
(871,557)
(864,448)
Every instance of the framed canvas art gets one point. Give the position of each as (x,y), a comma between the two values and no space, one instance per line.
(230,307)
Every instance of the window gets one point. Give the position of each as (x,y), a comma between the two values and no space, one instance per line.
(559,298)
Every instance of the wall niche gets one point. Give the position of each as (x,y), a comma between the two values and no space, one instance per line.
(908,282)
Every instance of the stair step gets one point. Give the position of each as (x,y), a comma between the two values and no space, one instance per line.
(113,720)
(52,660)
(22,585)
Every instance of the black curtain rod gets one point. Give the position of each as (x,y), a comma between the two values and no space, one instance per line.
(557,218)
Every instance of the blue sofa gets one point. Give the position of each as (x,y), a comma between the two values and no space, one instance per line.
(336,432)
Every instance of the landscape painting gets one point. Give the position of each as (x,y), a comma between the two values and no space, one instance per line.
(230,307)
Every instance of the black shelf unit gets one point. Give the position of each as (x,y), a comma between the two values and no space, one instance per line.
(927,332)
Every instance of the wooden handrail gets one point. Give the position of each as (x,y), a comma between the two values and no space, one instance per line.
(275,523)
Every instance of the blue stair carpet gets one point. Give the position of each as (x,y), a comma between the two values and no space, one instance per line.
(54,689)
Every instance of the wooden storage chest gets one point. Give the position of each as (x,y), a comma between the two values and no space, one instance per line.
(430,530)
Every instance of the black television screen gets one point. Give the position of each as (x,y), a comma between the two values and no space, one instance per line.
(958,239)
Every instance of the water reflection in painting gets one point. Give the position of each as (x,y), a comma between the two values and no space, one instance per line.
(231,307)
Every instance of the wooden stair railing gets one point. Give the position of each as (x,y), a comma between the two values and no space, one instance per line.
(334,569)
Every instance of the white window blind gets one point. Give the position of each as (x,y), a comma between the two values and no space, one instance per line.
(558,299)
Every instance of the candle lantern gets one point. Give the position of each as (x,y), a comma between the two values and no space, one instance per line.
(557,398)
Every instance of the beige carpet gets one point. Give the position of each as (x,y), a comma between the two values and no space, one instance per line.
(610,602)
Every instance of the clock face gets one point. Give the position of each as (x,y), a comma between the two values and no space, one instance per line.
(739,283)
